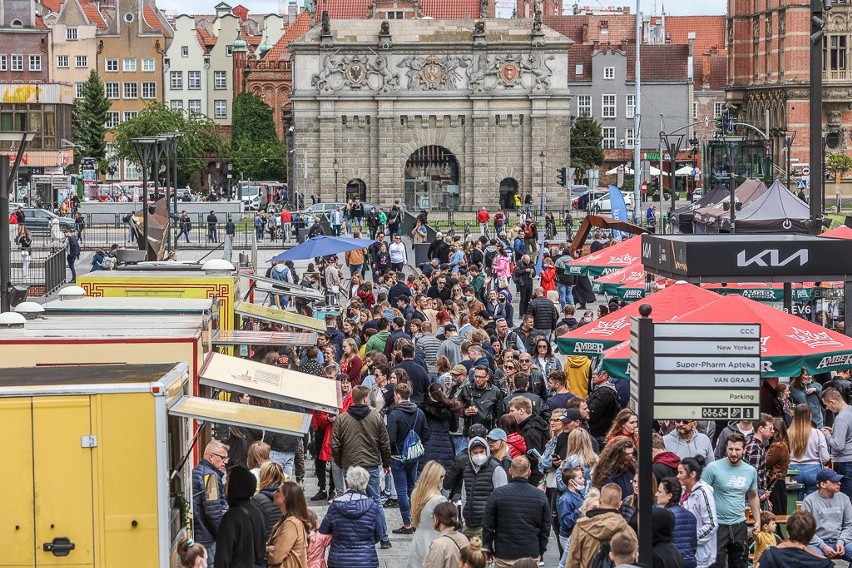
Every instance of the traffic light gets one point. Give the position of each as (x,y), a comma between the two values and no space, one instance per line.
(562,177)
(720,123)
(817,20)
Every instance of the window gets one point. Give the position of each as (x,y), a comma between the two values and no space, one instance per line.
(82,61)
(111,90)
(3,63)
(184,51)
(176,104)
(111,65)
(177,80)
(609,134)
(148,65)
(149,90)
(578,69)
(129,115)
(129,65)
(132,171)
(131,90)
(111,119)
(62,61)
(70,34)
(834,56)
(35,62)
(193,80)
(694,111)
(194,106)
(584,105)
(629,137)
(78,90)
(631,106)
(17,63)
(609,73)
(608,106)
(220,79)
(717,109)
(229,50)
(220,109)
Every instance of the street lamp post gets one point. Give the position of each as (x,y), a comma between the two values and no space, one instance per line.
(336,167)
(541,159)
(673,143)
(7,177)
(146,148)
(174,143)
(789,136)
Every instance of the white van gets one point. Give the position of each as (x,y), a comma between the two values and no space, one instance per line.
(253,196)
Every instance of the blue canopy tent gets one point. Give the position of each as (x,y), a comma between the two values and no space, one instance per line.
(321,245)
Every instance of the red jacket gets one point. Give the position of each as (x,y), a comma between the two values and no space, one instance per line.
(548,278)
(286,217)
(325,451)
(517,445)
(482,216)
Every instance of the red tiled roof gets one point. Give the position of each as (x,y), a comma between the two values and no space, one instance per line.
(294,31)
(52,5)
(343,9)
(659,62)
(205,39)
(579,54)
(450,9)
(240,11)
(154,21)
(717,77)
(709,31)
(94,16)
(39,23)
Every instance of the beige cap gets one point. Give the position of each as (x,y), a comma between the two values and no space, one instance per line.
(459,370)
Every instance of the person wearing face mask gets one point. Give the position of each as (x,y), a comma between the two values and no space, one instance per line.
(568,505)
(478,477)
(587,318)
(804,390)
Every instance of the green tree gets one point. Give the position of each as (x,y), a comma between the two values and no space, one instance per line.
(201,137)
(838,164)
(256,151)
(89,120)
(586,144)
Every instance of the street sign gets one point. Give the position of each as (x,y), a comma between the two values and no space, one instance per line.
(701,371)
(653,156)
(806,171)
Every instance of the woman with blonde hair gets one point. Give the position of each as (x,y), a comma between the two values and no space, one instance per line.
(425,497)
(472,556)
(258,452)
(579,453)
(808,449)
(271,477)
(351,363)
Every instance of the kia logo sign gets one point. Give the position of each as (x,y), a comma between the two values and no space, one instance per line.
(771,257)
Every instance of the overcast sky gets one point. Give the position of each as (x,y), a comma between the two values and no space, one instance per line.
(676,7)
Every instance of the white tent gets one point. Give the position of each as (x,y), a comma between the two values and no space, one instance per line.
(687,171)
(629,171)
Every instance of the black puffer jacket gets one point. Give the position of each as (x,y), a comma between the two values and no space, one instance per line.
(271,513)
(536,432)
(545,315)
(517,521)
(208,501)
(479,482)
(441,421)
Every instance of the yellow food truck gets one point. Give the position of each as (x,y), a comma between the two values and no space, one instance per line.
(217,283)
(97,473)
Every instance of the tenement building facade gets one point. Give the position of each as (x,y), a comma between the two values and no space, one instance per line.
(441,114)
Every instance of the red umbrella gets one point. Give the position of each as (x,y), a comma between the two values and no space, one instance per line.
(603,333)
(841,232)
(607,259)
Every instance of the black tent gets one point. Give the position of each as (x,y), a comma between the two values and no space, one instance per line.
(715,217)
(776,211)
(683,217)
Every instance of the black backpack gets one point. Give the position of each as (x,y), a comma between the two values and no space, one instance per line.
(602,559)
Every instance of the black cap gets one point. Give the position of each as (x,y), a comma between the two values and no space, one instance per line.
(571,415)
(477,430)
(450,327)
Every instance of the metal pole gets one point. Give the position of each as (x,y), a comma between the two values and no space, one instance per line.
(173,220)
(788,297)
(5,236)
(673,150)
(541,157)
(167,146)
(847,306)
(660,180)
(646,428)
(815,96)
(305,170)
(637,124)
(788,143)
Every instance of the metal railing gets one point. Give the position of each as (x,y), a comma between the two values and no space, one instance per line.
(43,274)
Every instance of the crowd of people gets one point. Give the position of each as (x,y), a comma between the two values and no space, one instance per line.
(458,411)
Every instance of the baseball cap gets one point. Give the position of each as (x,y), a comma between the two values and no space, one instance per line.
(571,415)
(828,475)
(458,370)
(450,327)
(477,431)
(497,434)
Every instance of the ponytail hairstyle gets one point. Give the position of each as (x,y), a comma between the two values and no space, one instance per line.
(189,551)
(447,514)
(694,465)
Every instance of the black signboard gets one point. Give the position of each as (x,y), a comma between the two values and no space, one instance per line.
(742,258)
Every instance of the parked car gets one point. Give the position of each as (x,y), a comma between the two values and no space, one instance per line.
(602,204)
(37,220)
(328,207)
(589,195)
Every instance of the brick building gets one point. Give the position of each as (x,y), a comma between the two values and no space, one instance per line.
(769,69)
(24,43)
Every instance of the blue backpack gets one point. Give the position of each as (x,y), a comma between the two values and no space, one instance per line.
(412,447)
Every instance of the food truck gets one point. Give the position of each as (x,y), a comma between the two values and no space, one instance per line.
(99,474)
(208,307)
(217,283)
